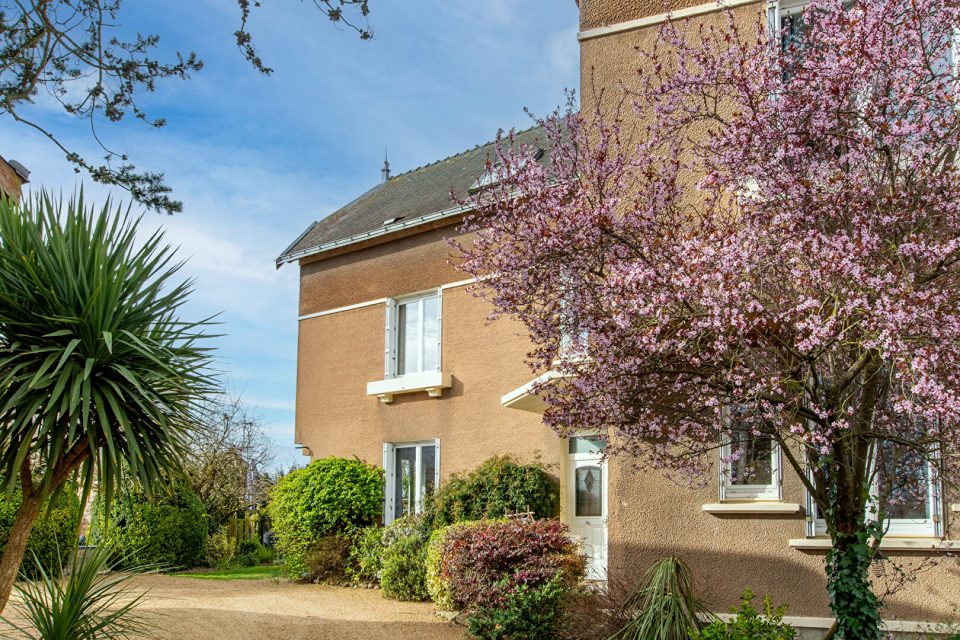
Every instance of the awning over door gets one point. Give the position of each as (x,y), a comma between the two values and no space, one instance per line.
(525,398)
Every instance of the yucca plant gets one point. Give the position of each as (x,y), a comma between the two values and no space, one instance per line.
(92,603)
(664,605)
(98,374)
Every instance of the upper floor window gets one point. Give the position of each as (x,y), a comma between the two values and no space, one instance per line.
(750,465)
(413,334)
(786,21)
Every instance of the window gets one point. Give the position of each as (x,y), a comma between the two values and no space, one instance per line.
(785,19)
(750,468)
(749,463)
(412,474)
(413,335)
(913,506)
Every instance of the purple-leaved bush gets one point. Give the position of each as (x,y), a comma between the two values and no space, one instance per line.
(483,562)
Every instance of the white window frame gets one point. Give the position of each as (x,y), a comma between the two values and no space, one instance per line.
(390,465)
(776,9)
(729,492)
(930,527)
(392,340)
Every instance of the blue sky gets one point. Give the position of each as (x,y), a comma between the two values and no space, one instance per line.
(255,159)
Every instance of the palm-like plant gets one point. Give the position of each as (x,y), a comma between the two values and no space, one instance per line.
(98,375)
(664,606)
(93,603)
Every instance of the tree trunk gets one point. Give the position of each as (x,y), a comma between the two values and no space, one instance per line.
(17,544)
(854,605)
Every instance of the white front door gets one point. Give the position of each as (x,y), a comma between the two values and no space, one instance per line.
(587,501)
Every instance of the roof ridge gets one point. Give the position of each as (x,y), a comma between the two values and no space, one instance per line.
(536,125)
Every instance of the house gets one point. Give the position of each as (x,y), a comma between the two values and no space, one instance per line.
(13,176)
(398,365)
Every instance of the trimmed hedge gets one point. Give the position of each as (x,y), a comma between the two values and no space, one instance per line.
(54,536)
(168,529)
(498,487)
(331,496)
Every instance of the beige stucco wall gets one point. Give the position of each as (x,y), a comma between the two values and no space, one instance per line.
(341,352)
(395,268)
(651,517)
(602,13)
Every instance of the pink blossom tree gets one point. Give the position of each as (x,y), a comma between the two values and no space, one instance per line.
(766,244)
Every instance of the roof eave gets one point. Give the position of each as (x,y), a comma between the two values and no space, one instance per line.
(293,256)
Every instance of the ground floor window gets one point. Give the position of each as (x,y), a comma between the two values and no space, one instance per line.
(412,473)
(914,500)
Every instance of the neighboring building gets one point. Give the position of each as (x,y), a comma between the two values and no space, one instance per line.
(13,176)
(398,365)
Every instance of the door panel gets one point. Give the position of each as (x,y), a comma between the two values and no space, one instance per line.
(587,509)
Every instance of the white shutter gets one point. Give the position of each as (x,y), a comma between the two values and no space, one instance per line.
(439,344)
(389,488)
(436,460)
(773,19)
(390,340)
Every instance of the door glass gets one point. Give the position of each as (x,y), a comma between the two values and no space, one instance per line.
(408,340)
(587,444)
(428,456)
(589,491)
(406,474)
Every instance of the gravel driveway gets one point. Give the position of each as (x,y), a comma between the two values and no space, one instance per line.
(275,610)
(187,608)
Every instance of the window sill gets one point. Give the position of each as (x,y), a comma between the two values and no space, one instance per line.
(887,544)
(433,382)
(752,508)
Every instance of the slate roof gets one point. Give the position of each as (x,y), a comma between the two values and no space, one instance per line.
(415,197)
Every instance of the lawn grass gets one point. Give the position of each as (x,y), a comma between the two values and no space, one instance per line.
(236,573)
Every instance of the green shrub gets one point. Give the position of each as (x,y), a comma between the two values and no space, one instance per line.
(220,549)
(498,487)
(527,613)
(366,550)
(750,624)
(331,496)
(168,529)
(55,530)
(326,559)
(403,575)
(264,555)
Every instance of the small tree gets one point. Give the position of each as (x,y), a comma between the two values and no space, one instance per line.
(227,452)
(98,374)
(771,249)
